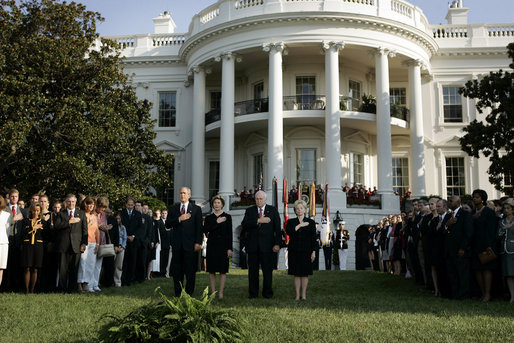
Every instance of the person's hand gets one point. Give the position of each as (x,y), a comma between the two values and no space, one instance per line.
(130,239)
(313,256)
(221,220)
(460,253)
(96,248)
(184,217)
(198,247)
(451,221)
(151,245)
(276,248)
(109,226)
(103,228)
(82,248)
(263,220)
(18,216)
(38,226)
(229,253)
(74,220)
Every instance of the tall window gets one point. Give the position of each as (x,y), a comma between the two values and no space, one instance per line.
(167,109)
(215,100)
(357,161)
(306,165)
(355,95)
(452,105)
(455,176)
(258,90)
(165,194)
(258,170)
(400,175)
(507,183)
(305,91)
(398,96)
(214,178)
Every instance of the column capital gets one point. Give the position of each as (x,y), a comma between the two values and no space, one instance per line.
(278,47)
(196,69)
(332,45)
(382,51)
(228,55)
(413,63)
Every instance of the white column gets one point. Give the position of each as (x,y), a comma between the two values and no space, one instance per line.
(417,153)
(227,126)
(275,120)
(198,146)
(384,146)
(337,198)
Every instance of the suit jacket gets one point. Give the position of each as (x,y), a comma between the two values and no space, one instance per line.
(164,233)
(262,237)
(70,235)
(114,233)
(458,236)
(148,235)
(134,225)
(16,228)
(187,233)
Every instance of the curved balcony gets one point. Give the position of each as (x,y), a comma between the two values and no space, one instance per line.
(300,103)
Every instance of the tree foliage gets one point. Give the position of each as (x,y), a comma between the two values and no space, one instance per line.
(494,137)
(70,120)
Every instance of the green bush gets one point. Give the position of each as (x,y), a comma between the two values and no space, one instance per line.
(182,319)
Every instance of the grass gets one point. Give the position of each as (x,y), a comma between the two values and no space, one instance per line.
(350,306)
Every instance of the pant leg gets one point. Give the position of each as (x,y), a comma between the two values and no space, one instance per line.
(107,273)
(344,258)
(118,267)
(267,261)
(190,258)
(177,270)
(253,274)
(463,272)
(97,270)
(327,251)
(165,253)
(129,263)
(141,263)
(451,273)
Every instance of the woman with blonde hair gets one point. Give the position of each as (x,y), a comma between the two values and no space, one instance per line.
(302,246)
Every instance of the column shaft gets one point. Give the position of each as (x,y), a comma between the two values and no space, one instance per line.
(198,144)
(227,127)
(417,156)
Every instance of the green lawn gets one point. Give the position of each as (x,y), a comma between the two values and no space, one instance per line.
(350,306)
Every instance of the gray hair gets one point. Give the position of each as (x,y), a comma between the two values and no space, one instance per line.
(261,192)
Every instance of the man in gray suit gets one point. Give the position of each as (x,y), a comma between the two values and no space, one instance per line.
(71,240)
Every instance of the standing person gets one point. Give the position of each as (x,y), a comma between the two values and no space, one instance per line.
(484,239)
(459,231)
(32,246)
(154,252)
(146,242)
(13,272)
(107,275)
(85,278)
(133,223)
(342,237)
(328,250)
(5,224)
(302,246)
(262,224)
(437,254)
(185,219)
(71,240)
(506,233)
(103,229)
(218,229)
(119,249)
(165,238)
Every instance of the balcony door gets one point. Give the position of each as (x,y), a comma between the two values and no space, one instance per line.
(306,166)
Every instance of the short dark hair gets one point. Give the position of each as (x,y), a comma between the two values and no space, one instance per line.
(481,193)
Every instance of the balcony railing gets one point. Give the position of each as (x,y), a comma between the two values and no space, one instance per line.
(298,103)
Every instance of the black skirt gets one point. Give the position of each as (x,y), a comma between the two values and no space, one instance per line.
(32,255)
(217,260)
(299,263)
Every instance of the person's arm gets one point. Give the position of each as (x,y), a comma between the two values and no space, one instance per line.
(276,227)
(250,219)
(229,232)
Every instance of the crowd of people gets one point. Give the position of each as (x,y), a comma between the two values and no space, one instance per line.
(458,250)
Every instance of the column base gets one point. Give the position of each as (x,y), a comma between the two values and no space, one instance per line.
(336,200)
(390,202)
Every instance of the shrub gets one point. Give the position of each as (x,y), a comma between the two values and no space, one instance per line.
(182,319)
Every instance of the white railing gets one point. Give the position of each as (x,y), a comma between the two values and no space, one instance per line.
(126,42)
(247,3)
(502,30)
(450,31)
(168,40)
(364,2)
(402,7)
(209,15)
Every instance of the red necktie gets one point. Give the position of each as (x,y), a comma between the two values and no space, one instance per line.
(71,214)
(183,209)
(260,212)
(13,211)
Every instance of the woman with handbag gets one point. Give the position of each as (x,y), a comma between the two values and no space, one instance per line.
(103,229)
(506,233)
(88,257)
(483,243)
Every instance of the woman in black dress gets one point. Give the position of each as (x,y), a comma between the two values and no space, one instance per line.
(218,229)
(32,246)
(301,248)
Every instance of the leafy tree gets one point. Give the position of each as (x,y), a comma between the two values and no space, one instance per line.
(70,120)
(494,138)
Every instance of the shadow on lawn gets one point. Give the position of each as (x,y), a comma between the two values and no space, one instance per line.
(354,291)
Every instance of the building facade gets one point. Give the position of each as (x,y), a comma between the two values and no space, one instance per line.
(274,88)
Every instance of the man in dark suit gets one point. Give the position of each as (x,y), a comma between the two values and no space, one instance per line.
(459,230)
(185,221)
(262,223)
(133,222)
(165,234)
(71,239)
(144,249)
(14,275)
